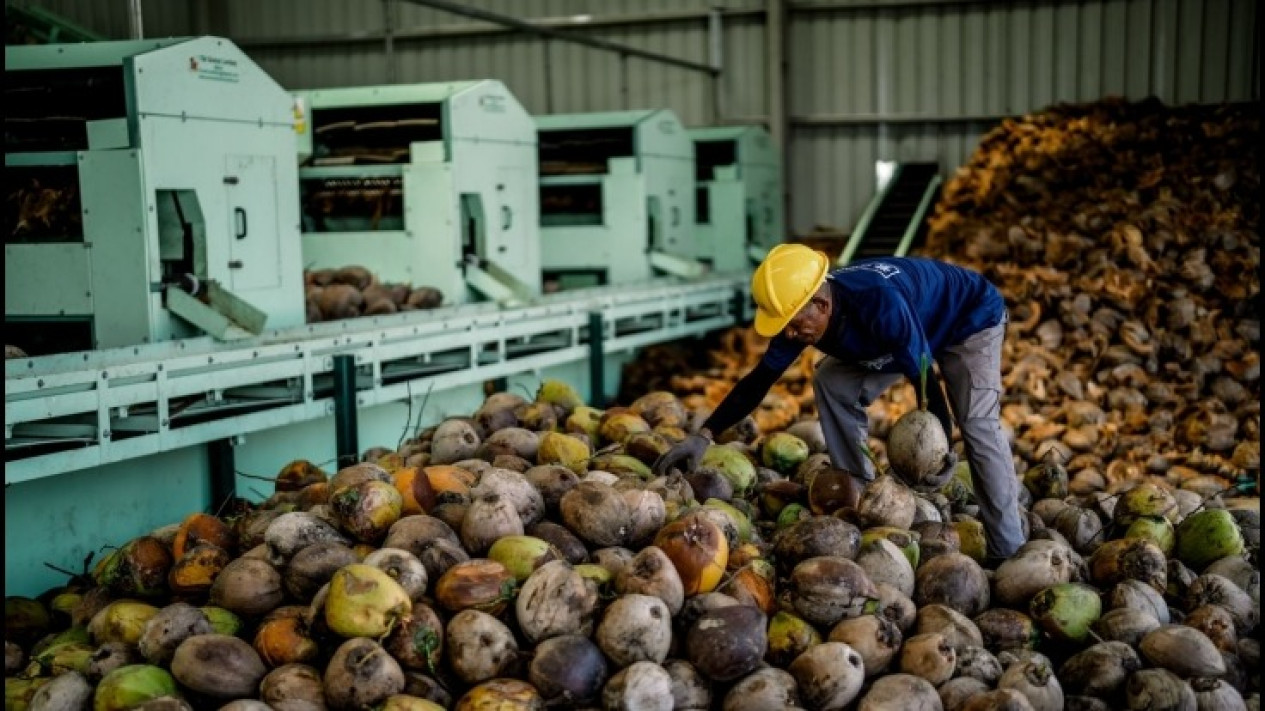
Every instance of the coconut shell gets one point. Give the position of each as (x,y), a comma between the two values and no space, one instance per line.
(569,667)
(1100,670)
(901,692)
(875,638)
(361,675)
(999,700)
(69,691)
(953,580)
(978,663)
(790,635)
(829,675)
(1158,690)
(883,562)
(1218,624)
(956,693)
(651,572)
(1036,681)
(165,631)
(555,600)
(596,513)
(957,629)
(1036,565)
(1183,650)
(635,628)
(814,537)
(642,685)
(827,589)
(314,565)
(571,548)
(480,646)
(766,688)
(478,584)
(219,666)
(194,573)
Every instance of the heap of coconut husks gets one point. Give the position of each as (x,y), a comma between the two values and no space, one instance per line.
(1125,239)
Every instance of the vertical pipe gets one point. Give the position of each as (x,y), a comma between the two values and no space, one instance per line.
(135,19)
(716,46)
(346,429)
(388,40)
(223,472)
(597,359)
(774,67)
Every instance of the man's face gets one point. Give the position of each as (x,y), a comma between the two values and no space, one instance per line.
(810,323)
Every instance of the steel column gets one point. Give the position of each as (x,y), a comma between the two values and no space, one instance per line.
(346,427)
(597,359)
(135,20)
(775,67)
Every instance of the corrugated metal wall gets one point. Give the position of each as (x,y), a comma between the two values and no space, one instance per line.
(864,81)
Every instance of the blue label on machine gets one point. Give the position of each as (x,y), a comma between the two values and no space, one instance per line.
(215,68)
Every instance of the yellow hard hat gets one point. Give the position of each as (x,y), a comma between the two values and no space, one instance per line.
(783,283)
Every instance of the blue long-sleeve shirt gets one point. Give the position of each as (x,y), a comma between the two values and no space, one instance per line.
(887,315)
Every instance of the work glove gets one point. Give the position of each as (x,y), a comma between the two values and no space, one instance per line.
(684,457)
(949,466)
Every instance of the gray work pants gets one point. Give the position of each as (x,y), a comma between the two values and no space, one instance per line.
(971,371)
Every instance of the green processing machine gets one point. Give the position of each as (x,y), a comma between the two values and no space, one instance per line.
(425,184)
(738,207)
(151,195)
(616,198)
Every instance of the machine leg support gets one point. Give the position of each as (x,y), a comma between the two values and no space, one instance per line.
(346,428)
(597,359)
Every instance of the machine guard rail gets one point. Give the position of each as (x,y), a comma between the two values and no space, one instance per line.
(69,412)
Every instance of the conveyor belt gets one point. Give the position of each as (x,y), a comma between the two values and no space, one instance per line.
(895,220)
(74,411)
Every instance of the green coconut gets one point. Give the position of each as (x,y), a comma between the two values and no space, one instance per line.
(121,621)
(619,427)
(522,555)
(1145,499)
(558,448)
(789,636)
(906,541)
(558,393)
(1066,611)
(792,514)
(784,452)
(364,602)
(18,692)
(222,621)
(1156,529)
(1047,480)
(1208,536)
(132,685)
(734,465)
(740,519)
(584,420)
(25,619)
(621,464)
(973,542)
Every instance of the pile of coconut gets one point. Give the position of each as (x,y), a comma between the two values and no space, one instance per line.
(526,557)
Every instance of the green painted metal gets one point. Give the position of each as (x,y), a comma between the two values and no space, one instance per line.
(863,224)
(924,204)
(647,202)
(205,149)
(744,199)
(63,519)
(470,204)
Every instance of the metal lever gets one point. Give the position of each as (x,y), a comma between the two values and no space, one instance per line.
(242,227)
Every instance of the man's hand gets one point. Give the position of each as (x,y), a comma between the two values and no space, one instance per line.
(948,468)
(684,456)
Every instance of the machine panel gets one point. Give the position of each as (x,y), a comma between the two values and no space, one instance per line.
(255,247)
